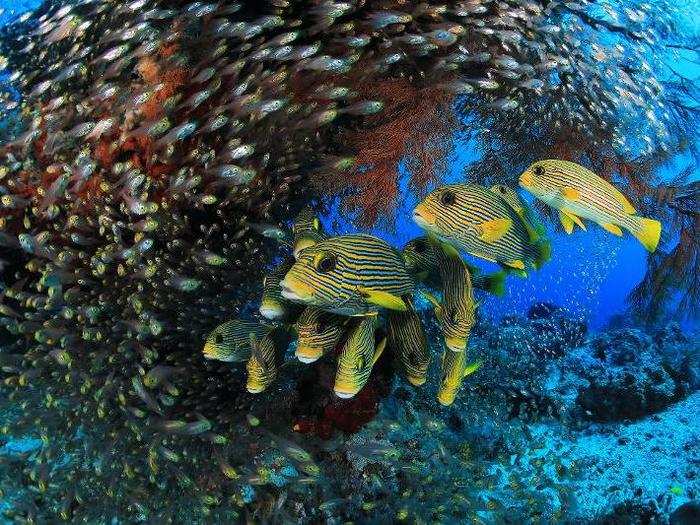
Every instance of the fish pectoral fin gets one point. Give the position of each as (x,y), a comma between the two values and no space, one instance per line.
(473,367)
(612,228)
(447,248)
(570,194)
(493,230)
(626,205)
(253,341)
(378,351)
(450,250)
(383,299)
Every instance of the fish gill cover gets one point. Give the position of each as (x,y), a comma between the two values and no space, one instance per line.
(142,139)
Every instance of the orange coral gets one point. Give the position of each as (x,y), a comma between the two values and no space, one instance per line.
(149,69)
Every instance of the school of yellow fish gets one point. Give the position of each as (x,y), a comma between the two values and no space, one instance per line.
(355,293)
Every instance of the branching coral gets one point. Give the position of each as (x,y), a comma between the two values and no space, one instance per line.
(415,126)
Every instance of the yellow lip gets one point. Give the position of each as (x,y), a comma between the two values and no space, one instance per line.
(295,290)
(344,392)
(308,355)
(422,217)
(526,180)
(416,381)
(456,344)
(271,309)
(446,398)
(208,351)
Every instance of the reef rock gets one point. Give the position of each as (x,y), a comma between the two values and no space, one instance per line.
(628,374)
(686,514)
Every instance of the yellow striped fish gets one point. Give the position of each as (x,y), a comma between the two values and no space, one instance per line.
(407,339)
(273,306)
(349,275)
(230,341)
(534,227)
(476,220)
(357,358)
(454,368)
(422,261)
(318,332)
(457,311)
(266,359)
(579,193)
(306,230)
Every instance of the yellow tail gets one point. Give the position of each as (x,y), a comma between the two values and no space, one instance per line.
(647,231)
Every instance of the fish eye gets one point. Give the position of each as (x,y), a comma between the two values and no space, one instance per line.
(502,189)
(538,170)
(447,198)
(360,364)
(218,339)
(326,263)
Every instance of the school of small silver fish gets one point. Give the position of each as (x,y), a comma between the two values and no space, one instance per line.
(150,143)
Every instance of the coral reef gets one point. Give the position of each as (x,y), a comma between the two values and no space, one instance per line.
(145,139)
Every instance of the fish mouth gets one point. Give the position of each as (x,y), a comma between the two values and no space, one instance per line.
(344,394)
(208,352)
(307,356)
(419,217)
(526,180)
(289,290)
(446,398)
(456,344)
(254,389)
(416,381)
(270,310)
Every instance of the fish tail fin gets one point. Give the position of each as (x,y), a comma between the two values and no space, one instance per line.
(495,283)
(647,231)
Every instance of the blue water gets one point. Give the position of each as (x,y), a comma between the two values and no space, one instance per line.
(591,273)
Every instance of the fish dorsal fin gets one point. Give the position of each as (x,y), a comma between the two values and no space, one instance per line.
(473,367)
(626,205)
(383,299)
(494,229)
(378,350)
(570,194)
(612,228)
